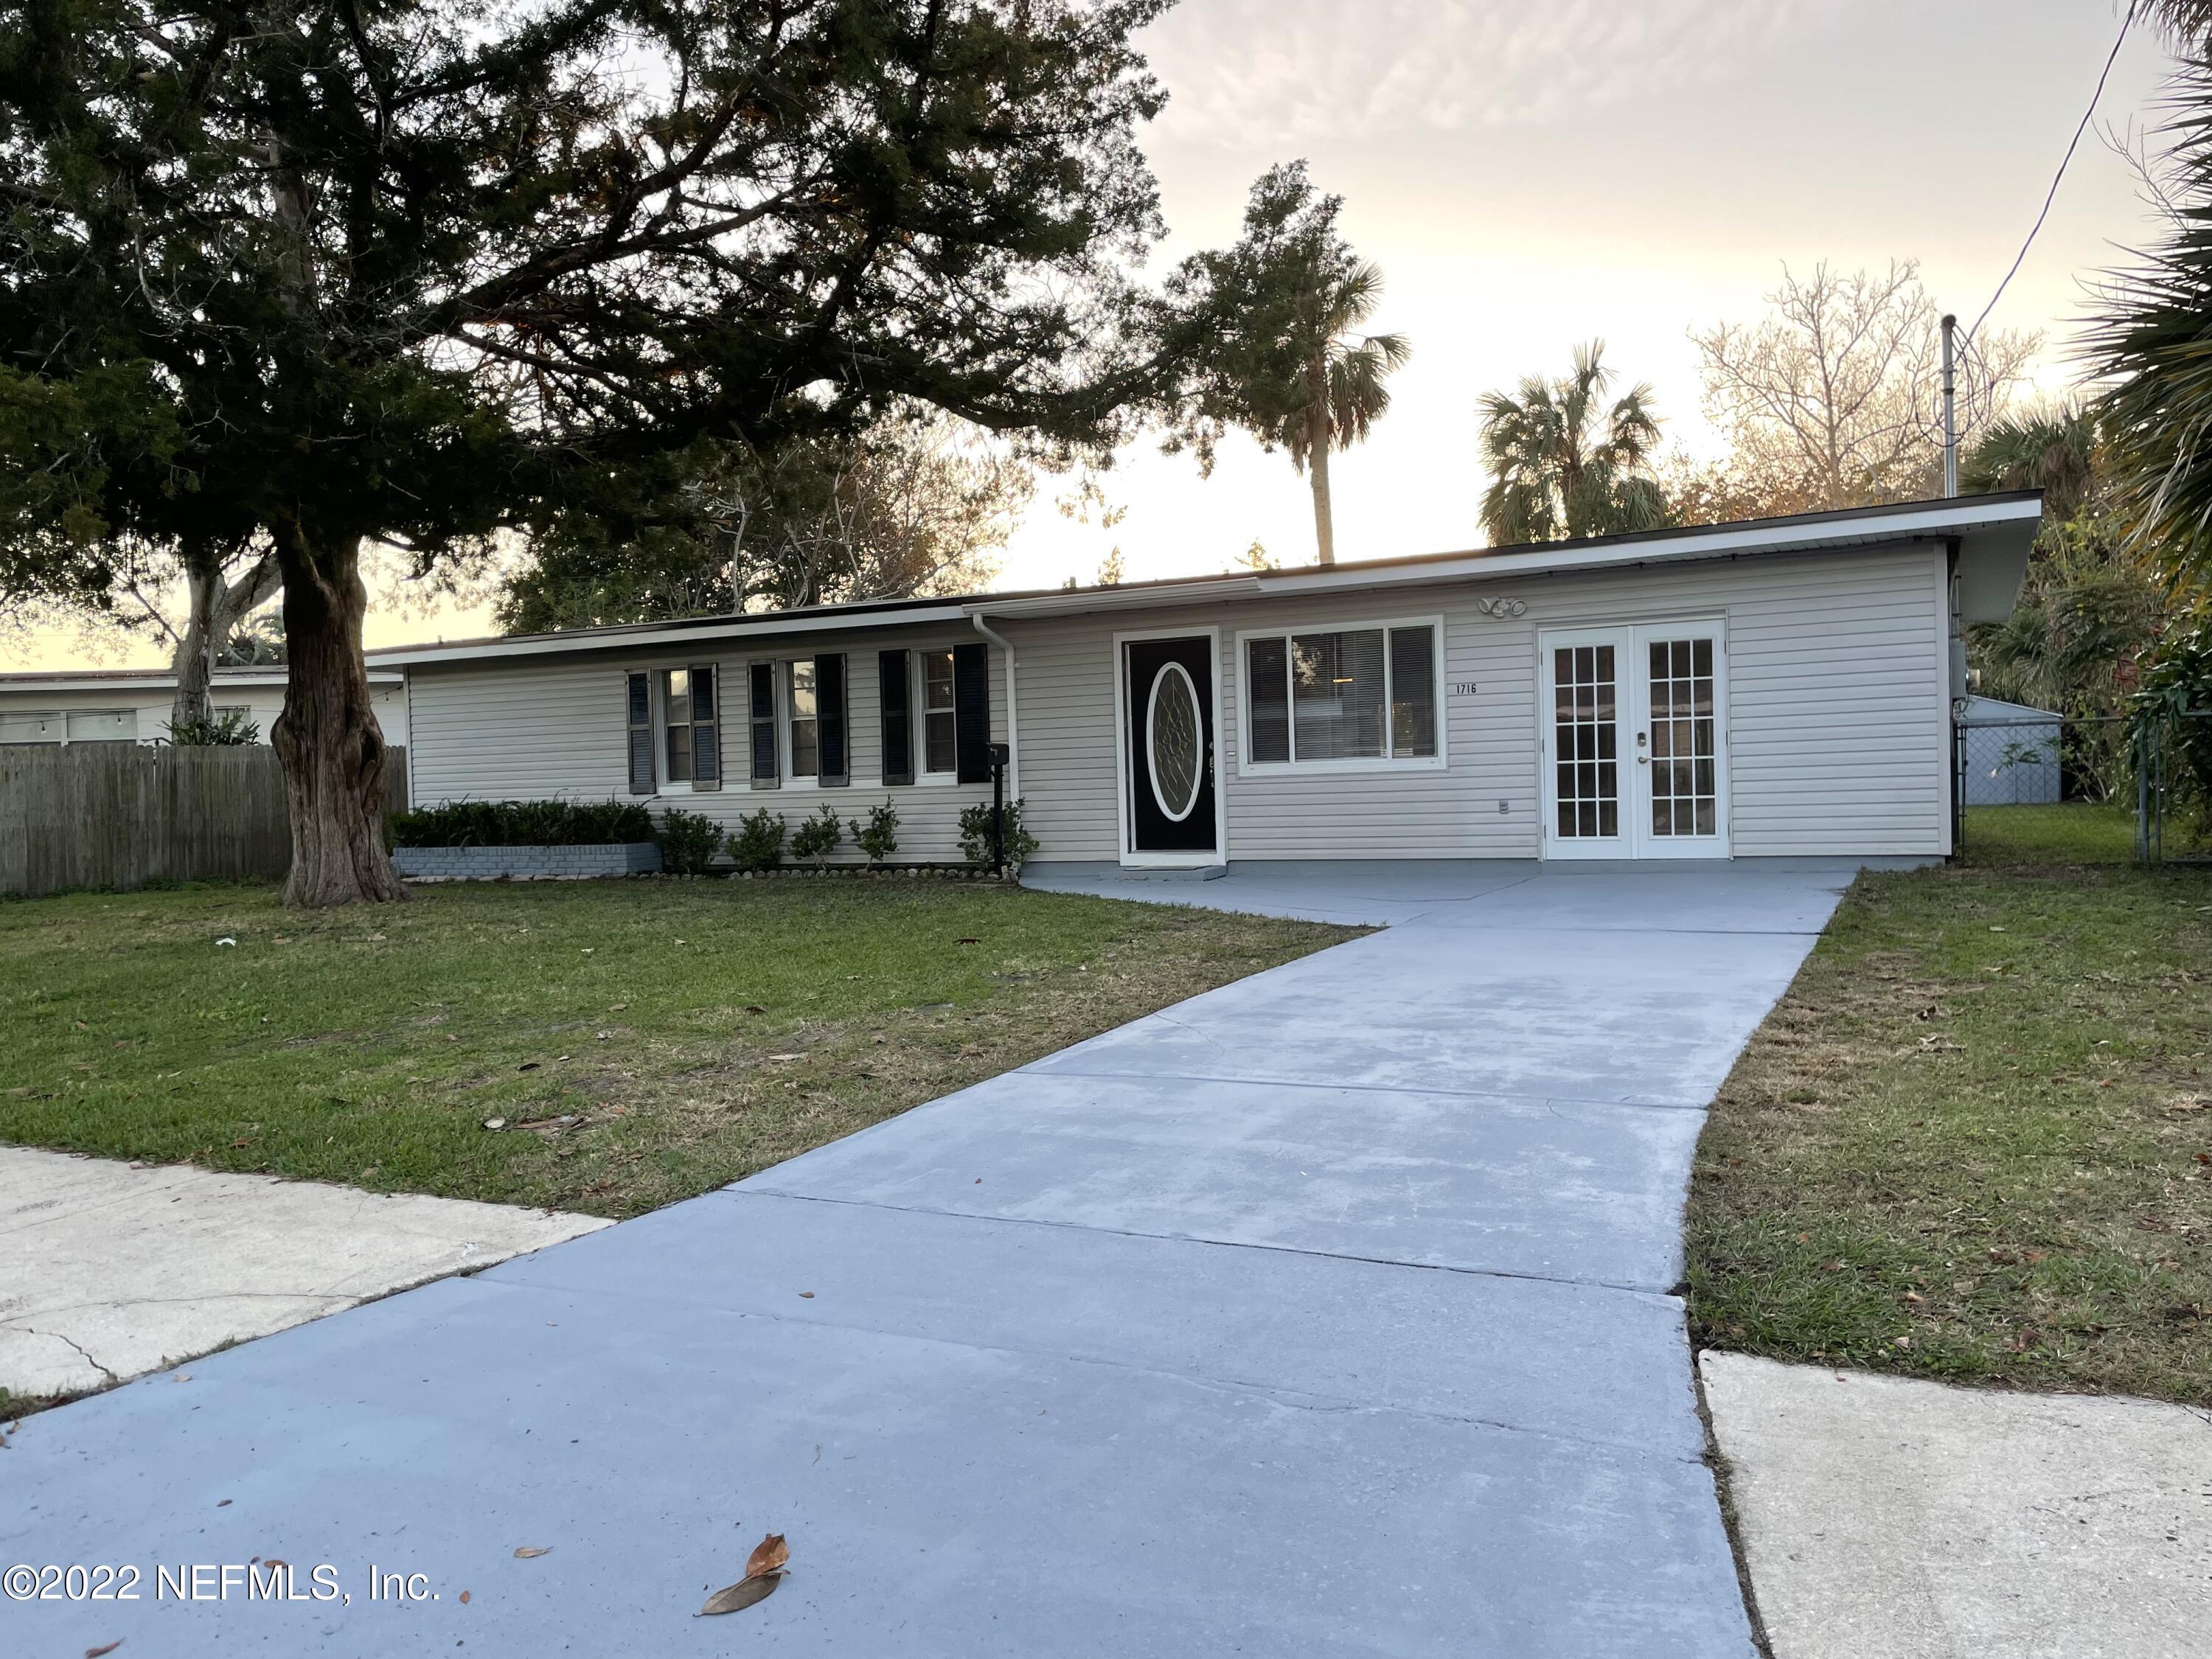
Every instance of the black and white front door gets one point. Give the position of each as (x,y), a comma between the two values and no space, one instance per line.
(1170,803)
(1635,741)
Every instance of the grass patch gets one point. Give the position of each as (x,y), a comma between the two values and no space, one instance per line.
(1974,1142)
(2070,832)
(641,1042)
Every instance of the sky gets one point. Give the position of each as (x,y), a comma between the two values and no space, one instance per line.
(1530,174)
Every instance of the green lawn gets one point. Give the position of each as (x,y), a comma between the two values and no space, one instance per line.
(635,1042)
(2073,832)
(1974,1141)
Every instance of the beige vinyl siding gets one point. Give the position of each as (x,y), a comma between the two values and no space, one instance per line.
(543,728)
(1837,740)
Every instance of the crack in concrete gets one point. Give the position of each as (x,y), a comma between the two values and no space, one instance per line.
(113,1381)
(1268,1393)
(1627,1287)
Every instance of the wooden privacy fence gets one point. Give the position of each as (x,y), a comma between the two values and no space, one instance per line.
(117,815)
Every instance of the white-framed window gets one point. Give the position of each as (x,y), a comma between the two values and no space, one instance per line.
(804,724)
(1346,697)
(940,748)
(677,751)
(37,726)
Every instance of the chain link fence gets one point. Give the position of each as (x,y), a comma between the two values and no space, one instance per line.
(2048,787)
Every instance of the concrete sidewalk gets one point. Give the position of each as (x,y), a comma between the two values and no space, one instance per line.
(1325,1314)
(116,1269)
(1889,1518)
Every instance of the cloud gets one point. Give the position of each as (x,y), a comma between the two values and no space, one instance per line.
(1267,70)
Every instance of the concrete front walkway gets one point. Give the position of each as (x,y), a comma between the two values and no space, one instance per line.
(1325,1314)
(114,1269)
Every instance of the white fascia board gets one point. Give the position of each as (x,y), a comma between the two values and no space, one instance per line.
(98,681)
(1964,516)
(767,624)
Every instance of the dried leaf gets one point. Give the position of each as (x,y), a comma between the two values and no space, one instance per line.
(754,1008)
(734,1598)
(94,1653)
(769,1554)
(464,1598)
(529,1550)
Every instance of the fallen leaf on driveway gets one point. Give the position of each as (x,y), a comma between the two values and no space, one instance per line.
(732,1598)
(528,1551)
(768,1556)
(464,1598)
(94,1653)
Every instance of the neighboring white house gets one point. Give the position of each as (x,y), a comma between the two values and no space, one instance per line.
(132,705)
(1779,687)
(2011,753)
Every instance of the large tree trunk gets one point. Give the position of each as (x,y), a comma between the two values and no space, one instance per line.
(1320,442)
(327,738)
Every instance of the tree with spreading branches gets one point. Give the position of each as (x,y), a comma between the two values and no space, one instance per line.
(1269,333)
(355,273)
(1565,461)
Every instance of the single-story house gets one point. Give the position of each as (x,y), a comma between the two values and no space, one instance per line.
(132,705)
(1784,686)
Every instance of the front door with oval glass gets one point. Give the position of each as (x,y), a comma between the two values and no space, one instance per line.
(1635,736)
(1167,745)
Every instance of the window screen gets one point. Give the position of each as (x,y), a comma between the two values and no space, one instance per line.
(940,750)
(1349,694)
(805,723)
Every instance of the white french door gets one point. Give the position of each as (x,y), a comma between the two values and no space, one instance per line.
(1635,741)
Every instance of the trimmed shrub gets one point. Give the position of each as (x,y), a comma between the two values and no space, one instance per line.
(688,841)
(975,835)
(879,836)
(758,843)
(523,824)
(816,837)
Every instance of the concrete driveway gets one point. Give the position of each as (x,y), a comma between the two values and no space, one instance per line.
(1325,1314)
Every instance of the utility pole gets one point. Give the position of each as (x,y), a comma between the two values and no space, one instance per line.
(1950,406)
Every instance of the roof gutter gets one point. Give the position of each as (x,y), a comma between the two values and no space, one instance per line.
(1013,720)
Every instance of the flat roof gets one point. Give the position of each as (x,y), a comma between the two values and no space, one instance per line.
(1993,532)
(155,679)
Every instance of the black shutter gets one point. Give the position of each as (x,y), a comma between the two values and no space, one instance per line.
(834,768)
(894,691)
(762,677)
(971,713)
(706,729)
(641,734)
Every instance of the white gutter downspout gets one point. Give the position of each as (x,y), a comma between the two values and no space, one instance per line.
(1013,725)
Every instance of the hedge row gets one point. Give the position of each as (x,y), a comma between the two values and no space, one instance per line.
(523,824)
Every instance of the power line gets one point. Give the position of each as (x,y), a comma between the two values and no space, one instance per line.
(2126,23)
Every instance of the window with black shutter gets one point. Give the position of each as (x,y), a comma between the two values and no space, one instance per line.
(640,733)
(971,711)
(760,678)
(894,693)
(706,728)
(830,717)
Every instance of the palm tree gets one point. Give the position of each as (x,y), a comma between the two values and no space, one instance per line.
(1344,386)
(2054,453)
(1563,463)
(2154,343)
